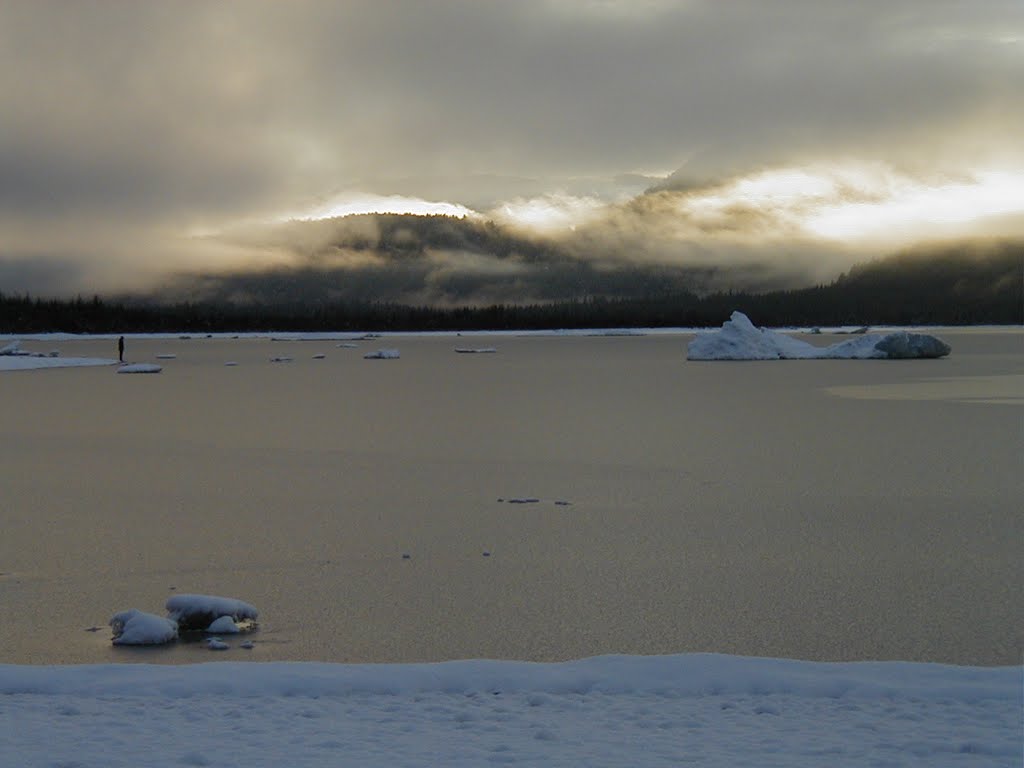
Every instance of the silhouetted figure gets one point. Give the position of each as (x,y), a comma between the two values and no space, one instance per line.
(120,349)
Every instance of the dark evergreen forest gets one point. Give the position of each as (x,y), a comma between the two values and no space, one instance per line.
(955,286)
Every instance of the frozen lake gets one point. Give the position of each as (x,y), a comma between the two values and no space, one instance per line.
(824,510)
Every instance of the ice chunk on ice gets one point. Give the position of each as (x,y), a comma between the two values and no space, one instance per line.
(134,627)
(197,612)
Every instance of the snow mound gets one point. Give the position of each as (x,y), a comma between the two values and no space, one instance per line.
(140,368)
(382,354)
(135,627)
(198,612)
(739,339)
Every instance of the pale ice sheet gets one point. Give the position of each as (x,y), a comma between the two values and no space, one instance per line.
(606,711)
(29,363)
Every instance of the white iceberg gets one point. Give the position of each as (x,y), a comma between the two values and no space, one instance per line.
(382,354)
(135,627)
(140,368)
(197,612)
(739,339)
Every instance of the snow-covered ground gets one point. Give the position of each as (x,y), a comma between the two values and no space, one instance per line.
(706,710)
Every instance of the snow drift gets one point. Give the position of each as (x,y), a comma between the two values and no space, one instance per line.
(739,339)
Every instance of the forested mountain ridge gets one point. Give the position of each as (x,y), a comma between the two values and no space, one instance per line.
(969,283)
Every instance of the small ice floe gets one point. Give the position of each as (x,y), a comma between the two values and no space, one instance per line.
(140,368)
(280,359)
(166,356)
(225,625)
(476,350)
(739,339)
(248,645)
(382,354)
(230,363)
(216,644)
(134,627)
(347,345)
(524,500)
(321,356)
(198,612)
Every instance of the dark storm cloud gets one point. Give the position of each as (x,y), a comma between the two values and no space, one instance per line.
(143,121)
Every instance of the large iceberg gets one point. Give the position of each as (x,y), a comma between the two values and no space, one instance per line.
(739,339)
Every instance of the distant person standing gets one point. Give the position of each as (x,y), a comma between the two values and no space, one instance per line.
(120,349)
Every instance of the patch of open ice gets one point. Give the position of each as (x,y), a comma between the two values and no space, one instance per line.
(739,339)
(197,612)
(140,368)
(382,354)
(135,627)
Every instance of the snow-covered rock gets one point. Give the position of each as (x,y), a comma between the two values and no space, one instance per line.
(140,368)
(739,339)
(382,354)
(135,627)
(197,612)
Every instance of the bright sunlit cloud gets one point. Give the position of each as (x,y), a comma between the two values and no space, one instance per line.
(364,204)
(549,213)
(870,202)
(913,208)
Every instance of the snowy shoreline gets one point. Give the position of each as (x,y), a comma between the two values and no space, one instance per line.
(610,710)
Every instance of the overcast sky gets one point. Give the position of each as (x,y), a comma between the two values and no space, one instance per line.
(133,135)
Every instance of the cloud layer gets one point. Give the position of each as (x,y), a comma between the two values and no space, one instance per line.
(129,128)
